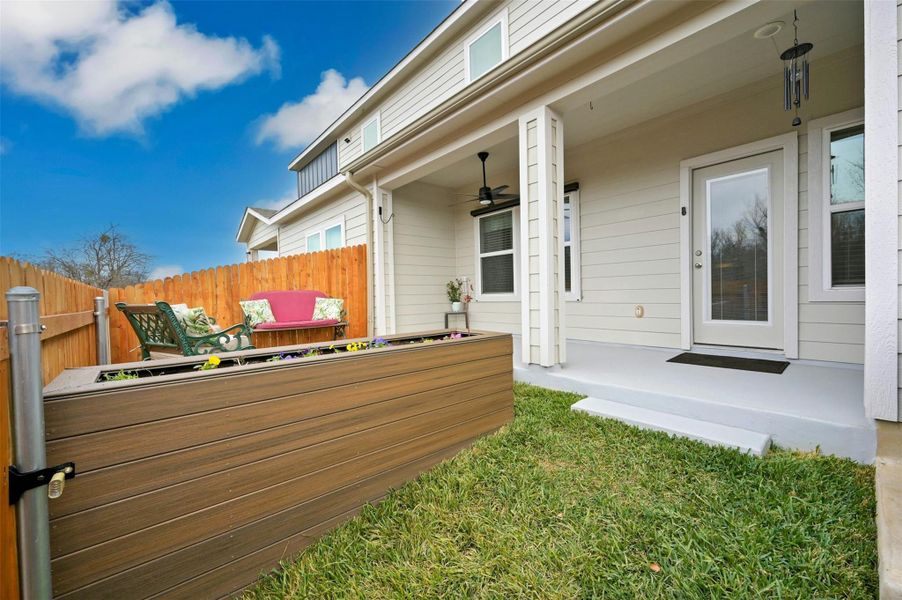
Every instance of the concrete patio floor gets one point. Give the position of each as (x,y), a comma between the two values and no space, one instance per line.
(810,405)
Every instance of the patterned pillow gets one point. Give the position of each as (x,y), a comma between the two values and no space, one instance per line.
(194,320)
(257,311)
(328,309)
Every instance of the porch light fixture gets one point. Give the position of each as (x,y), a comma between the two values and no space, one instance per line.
(795,72)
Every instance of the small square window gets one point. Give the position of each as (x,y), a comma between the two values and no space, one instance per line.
(370,135)
(334,237)
(487,49)
(314,242)
(485,52)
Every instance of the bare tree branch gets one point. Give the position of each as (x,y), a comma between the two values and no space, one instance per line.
(105,260)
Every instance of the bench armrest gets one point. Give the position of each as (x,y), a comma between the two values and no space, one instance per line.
(221,338)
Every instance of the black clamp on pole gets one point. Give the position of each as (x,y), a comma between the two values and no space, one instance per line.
(20,482)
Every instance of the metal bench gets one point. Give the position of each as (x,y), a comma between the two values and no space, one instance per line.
(161,333)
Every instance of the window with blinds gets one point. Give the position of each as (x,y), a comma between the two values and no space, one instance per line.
(846,208)
(497,265)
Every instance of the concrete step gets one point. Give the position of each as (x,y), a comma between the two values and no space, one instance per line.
(709,433)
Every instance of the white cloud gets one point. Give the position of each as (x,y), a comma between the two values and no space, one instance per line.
(112,69)
(164,271)
(278,203)
(298,123)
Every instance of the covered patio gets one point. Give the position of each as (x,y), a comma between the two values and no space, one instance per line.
(616,152)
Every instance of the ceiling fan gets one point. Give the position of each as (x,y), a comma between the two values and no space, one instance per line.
(486,195)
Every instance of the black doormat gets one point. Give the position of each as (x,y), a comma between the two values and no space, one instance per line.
(731,362)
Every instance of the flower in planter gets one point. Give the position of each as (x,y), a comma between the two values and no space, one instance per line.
(454,336)
(211,363)
(379,343)
(355,346)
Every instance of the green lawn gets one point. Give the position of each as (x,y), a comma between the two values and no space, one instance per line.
(563,505)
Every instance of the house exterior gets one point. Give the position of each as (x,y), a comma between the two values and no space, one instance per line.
(667,202)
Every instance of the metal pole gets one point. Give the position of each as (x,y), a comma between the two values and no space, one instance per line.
(103,330)
(32,517)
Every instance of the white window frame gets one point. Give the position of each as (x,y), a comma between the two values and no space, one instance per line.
(340,223)
(515,251)
(501,17)
(316,234)
(820,268)
(363,148)
(575,294)
(321,234)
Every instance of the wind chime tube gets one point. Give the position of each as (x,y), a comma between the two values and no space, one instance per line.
(805,78)
(787,103)
(797,84)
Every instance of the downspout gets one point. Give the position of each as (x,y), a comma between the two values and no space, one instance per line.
(370,209)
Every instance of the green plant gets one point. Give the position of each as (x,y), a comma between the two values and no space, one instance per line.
(455,289)
(120,376)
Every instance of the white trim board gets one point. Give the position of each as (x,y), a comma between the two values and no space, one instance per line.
(881,181)
(789,144)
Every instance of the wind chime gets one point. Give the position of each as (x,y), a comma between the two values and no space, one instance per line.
(795,72)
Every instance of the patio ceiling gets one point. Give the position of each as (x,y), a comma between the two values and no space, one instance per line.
(739,61)
(637,95)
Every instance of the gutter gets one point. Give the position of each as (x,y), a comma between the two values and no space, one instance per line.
(370,254)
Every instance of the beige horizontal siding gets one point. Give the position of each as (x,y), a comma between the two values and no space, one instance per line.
(293,236)
(444,74)
(491,316)
(424,256)
(261,235)
(530,20)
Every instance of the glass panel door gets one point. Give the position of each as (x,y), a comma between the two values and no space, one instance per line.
(737,253)
(738,207)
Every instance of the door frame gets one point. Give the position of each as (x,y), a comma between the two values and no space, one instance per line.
(789,144)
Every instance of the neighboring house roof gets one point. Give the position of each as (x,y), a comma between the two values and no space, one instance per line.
(253,214)
(463,15)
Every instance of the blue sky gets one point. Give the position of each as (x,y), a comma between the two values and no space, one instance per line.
(160,118)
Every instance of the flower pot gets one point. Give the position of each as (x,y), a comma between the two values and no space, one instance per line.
(457,306)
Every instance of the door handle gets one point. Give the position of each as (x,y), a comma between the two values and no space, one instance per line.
(698,265)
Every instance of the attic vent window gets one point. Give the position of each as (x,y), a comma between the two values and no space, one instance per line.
(487,48)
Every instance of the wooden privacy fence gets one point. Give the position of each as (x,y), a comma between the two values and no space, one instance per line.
(69,340)
(338,273)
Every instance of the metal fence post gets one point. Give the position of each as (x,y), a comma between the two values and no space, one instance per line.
(29,454)
(101,318)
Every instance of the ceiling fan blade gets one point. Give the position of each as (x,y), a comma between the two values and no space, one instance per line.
(499,189)
(505,196)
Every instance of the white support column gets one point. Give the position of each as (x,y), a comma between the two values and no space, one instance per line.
(881,181)
(378,262)
(541,230)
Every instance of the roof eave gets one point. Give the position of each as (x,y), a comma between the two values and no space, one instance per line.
(446,28)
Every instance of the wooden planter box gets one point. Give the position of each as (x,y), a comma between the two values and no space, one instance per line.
(191,483)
